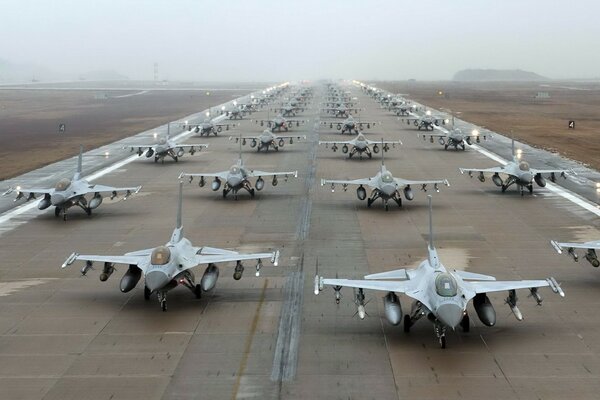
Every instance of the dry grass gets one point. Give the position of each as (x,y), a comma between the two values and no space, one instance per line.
(29,121)
(506,107)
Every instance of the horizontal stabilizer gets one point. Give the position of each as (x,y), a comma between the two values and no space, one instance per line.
(473,276)
(395,274)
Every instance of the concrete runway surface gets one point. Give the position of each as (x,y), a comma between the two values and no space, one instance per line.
(64,336)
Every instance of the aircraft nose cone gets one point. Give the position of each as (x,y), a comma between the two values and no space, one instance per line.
(527,177)
(156,280)
(234,181)
(57,198)
(450,314)
(388,190)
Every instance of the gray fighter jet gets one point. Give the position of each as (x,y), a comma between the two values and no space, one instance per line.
(168,266)
(288,110)
(426,121)
(341,112)
(439,294)
(590,254)
(349,125)
(207,127)
(238,177)
(360,145)
(268,140)
(384,186)
(455,138)
(165,146)
(279,123)
(519,173)
(72,192)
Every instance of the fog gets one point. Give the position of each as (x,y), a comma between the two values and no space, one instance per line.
(219,40)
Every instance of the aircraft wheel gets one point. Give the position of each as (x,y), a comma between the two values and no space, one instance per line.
(88,211)
(465,324)
(163,305)
(369,202)
(443,342)
(446,147)
(147,293)
(224,193)
(252,193)
(198,291)
(56,211)
(503,188)
(176,159)
(387,207)
(407,323)
(530,187)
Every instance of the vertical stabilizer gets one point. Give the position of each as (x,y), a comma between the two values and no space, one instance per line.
(180,205)
(382,156)
(178,231)
(168,130)
(79,163)
(431,251)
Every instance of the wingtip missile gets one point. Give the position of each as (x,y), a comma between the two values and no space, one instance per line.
(556,246)
(70,260)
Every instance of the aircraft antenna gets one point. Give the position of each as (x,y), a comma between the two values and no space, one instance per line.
(431,247)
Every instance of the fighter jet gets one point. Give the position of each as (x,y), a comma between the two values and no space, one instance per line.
(207,127)
(426,121)
(165,146)
(288,110)
(237,111)
(279,123)
(168,266)
(238,177)
(383,185)
(267,140)
(590,247)
(404,109)
(341,111)
(360,145)
(455,138)
(72,192)
(349,125)
(439,294)
(519,173)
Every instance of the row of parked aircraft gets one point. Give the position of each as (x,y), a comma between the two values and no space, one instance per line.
(441,294)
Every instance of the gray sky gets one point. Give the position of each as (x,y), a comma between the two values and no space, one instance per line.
(288,40)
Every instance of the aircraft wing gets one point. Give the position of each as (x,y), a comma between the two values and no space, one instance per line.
(386,286)
(435,183)
(493,170)
(138,260)
(264,173)
(214,255)
(562,172)
(298,137)
(110,189)
(559,246)
(499,286)
(221,175)
(363,181)
(140,148)
(328,142)
(29,191)
(392,142)
(191,146)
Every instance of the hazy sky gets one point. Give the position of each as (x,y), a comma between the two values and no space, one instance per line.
(288,40)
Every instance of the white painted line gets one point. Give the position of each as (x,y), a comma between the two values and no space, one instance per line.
(130,95)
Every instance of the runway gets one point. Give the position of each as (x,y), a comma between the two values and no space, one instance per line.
(63,336)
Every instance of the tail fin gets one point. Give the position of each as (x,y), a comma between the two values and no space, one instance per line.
(180,205)
(168,130)
(382,156)
(431,251)
(513,147)
(431,245)
(240,150)
(79,163)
